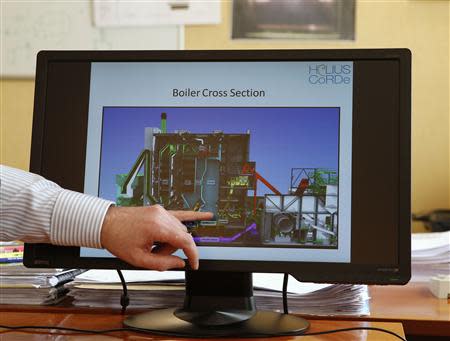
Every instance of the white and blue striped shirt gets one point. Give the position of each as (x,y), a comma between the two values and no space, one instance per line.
(35,210)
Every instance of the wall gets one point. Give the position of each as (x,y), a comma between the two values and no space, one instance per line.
(29,26)
(422,26)
(16,115)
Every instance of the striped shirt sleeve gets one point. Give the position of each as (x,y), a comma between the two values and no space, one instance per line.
(35,210)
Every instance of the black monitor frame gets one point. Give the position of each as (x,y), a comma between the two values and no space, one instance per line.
(44,255)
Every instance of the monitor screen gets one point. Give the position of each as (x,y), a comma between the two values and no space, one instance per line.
(265,146)
(302,156)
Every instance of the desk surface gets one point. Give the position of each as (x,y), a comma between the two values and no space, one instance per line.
(413,305)
(107,321)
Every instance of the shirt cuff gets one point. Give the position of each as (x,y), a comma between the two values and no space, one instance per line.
(77,219)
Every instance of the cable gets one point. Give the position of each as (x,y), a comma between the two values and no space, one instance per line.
(285,301)
(107,331)
(76,330)
(355,328)
(124,298)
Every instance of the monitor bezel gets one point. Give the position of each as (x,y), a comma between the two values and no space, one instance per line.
(45,255)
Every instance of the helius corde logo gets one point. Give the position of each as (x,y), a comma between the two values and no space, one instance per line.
(332,74)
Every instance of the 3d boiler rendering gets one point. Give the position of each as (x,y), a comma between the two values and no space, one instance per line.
(213,172)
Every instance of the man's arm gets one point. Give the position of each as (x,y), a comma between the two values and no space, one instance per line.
(35,210)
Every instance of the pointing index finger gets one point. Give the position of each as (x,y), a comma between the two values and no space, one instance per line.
(191,215)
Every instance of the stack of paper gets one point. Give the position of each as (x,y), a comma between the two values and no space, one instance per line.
(312,298)
(430,255)
(147,289)
(131,276)
(102,288)
(141,295)
(20,285)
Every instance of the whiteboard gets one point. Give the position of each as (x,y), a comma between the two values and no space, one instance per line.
(30,26)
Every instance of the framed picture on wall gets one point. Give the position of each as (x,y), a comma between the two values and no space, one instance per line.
(294,19)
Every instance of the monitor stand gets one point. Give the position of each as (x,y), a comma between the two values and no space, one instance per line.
(218,304)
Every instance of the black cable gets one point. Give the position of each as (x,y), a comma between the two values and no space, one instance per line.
(68,329)
(107,331)
(355,328)
(285,301)
(124,298)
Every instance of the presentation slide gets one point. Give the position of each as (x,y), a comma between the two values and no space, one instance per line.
(270,158)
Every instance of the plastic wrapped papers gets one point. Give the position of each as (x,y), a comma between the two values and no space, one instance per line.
(20,285)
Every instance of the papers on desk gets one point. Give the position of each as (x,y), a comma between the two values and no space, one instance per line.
(269,281)
(33,296)
(131,276)
(147,289)
(21,285)
(333,300)
(430,255)
(311,298)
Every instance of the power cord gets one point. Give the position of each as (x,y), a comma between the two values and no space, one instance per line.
(285,301)
(124,298)
(108,331)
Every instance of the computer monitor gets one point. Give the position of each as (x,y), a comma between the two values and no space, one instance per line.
(303,156)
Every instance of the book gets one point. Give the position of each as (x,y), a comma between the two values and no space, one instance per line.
(11,253)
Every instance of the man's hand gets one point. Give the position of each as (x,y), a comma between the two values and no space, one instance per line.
(130,233)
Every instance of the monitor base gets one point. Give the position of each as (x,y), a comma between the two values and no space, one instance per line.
(218,304)
(262,323)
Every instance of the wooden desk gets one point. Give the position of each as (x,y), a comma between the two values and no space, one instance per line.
(107,321)
(413,305)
